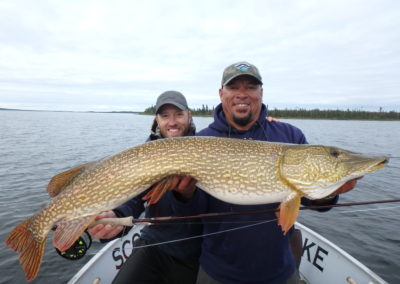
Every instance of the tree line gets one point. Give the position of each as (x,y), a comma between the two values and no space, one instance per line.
(335,114)
(348,114)
(203,111)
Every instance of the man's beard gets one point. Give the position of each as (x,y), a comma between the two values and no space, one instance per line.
(243,121)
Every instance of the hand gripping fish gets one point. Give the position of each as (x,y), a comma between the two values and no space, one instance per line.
(233,170)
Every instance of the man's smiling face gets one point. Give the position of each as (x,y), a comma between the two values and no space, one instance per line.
(241,101)
(172,121)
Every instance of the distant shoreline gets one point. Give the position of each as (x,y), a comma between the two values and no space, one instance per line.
(308,114)
(83,111)
(314,114)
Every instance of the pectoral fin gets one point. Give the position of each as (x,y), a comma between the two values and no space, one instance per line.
(68,231)
(60,181)
(289,209)
(159,189)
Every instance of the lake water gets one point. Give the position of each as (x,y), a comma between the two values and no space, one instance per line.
(34,146)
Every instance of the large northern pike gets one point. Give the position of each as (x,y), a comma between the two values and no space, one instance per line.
(233,170)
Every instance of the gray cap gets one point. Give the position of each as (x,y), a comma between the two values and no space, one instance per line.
(171,97)
(239,69)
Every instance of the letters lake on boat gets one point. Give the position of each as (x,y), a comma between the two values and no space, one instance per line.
(233,170)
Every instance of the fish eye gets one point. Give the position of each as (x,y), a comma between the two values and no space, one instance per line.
(335,153)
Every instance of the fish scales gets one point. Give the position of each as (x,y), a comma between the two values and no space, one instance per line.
(226,168)
(233,170)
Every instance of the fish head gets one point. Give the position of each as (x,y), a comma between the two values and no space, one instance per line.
(318,171)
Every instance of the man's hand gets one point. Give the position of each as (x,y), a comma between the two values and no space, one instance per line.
(343,189)
(347,186)
(105,231)
(271,119)
(184,186)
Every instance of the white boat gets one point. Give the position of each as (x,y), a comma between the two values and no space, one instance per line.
(322,262)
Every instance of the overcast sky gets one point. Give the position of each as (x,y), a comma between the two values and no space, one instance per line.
(120,55)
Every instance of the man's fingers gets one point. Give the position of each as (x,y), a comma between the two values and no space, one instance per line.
(271,119)
(106,214)
(105,231)
(175,182)
(101,216)
(111,231)
(184,182)
(192,183)
(95,230)
(101,231)
(346,187)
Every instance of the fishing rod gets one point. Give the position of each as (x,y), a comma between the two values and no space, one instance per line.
(82,245)
(130,221)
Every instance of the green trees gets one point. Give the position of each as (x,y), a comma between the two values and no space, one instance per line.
(150,110)
(335,114)
(348,114)
(203,111)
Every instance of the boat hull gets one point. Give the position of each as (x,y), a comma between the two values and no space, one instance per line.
(321,261)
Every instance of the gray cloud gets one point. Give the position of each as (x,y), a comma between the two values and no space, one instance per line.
(94,55)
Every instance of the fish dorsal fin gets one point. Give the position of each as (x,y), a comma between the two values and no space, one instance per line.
(60,181)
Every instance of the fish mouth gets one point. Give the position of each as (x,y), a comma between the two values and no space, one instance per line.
(384,162)
(361,164)
(380,163)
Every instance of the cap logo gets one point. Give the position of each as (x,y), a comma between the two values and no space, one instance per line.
(242,67)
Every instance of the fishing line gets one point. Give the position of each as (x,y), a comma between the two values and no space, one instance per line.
(80,247)
(202,235)
(252,221)
(203,222)
(364,210)
(155,220)
(389,217)
(243,227)
(272,220)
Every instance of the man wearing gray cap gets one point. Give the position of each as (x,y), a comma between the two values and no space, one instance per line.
(259,253)
(176,262)
(173,117)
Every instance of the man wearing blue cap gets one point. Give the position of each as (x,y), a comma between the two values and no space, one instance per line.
(259,253)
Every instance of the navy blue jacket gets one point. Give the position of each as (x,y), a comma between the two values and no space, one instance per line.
(173,231)
(260,252)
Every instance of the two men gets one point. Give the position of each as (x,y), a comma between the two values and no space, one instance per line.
(261,252)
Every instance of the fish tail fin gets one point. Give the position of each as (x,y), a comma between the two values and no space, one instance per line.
(31,251)
(288,211)
(159,189)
